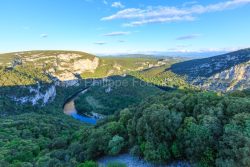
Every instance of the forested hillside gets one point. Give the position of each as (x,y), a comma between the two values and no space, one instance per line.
(161,77)
(147,109)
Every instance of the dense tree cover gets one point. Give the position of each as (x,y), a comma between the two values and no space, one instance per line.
(204,128)
(39,139)
(191,126)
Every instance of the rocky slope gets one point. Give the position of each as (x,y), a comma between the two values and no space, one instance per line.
(220,73)
(36,74)
(63,65)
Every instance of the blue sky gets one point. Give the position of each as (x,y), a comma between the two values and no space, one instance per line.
(124,26)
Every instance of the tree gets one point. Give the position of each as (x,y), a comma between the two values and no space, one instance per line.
(125,115)
(234,146)
(156,153)
(115,145)
(195,140)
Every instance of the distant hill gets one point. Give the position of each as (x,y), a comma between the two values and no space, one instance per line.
(225,72)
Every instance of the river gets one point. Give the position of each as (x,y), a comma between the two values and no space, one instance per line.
(69,109)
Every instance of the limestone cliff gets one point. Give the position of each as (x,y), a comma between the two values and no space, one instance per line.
(234,78)
(35,95)
(226,72)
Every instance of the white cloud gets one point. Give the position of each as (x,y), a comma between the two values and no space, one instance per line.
(100,43)
(117,5)
(161,14)
(159,20)
(119,33)
(43,35)
(187,37)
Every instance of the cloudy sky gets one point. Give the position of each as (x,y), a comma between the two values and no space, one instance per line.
(125,26)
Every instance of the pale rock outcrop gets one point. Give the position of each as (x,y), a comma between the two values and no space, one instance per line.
(117,67)
(237,77)
(64,66)
(85,65)
(68,57)
(37,96)
(76,67)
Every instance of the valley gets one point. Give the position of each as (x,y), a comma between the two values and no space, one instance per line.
(67,108)
(124,83)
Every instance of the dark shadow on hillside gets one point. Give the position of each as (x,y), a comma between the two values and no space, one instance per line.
(116,93)
(18,99)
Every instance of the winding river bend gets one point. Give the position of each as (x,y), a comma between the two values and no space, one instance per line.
(69,109)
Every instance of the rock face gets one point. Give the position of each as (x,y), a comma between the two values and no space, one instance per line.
(65,65)
(69,70)
(226,72)
(235,78)
(36,96)
(209,66)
